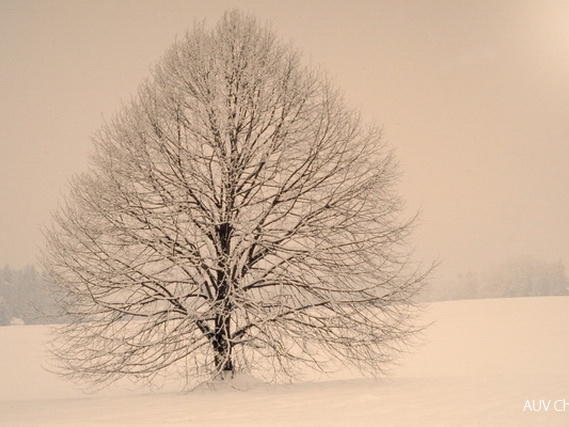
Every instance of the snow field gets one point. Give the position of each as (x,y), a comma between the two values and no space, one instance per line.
(482,361)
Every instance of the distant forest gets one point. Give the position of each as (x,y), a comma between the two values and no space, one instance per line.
(25,296)
(519,277)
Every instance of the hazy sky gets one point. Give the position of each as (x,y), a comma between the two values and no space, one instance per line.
(473,95)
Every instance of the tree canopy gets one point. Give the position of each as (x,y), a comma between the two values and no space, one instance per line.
(237,215)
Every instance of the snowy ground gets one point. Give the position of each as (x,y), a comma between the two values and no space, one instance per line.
(482,363)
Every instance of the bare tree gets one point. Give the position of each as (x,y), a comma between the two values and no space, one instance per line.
(237,216)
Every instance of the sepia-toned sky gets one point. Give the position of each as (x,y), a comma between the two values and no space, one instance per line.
(473,95)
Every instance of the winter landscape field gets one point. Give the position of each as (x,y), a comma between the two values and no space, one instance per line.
(483,362)
(208,187)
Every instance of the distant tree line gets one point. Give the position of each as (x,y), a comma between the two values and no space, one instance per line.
(520,277)
(23,296)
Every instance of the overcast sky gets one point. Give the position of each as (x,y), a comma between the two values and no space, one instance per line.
(473,95)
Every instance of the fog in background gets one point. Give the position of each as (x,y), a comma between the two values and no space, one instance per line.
(473,95)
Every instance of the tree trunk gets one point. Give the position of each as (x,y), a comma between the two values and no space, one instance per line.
(222,346)
(221,341)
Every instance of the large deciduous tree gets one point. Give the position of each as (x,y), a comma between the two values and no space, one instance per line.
(236,216)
